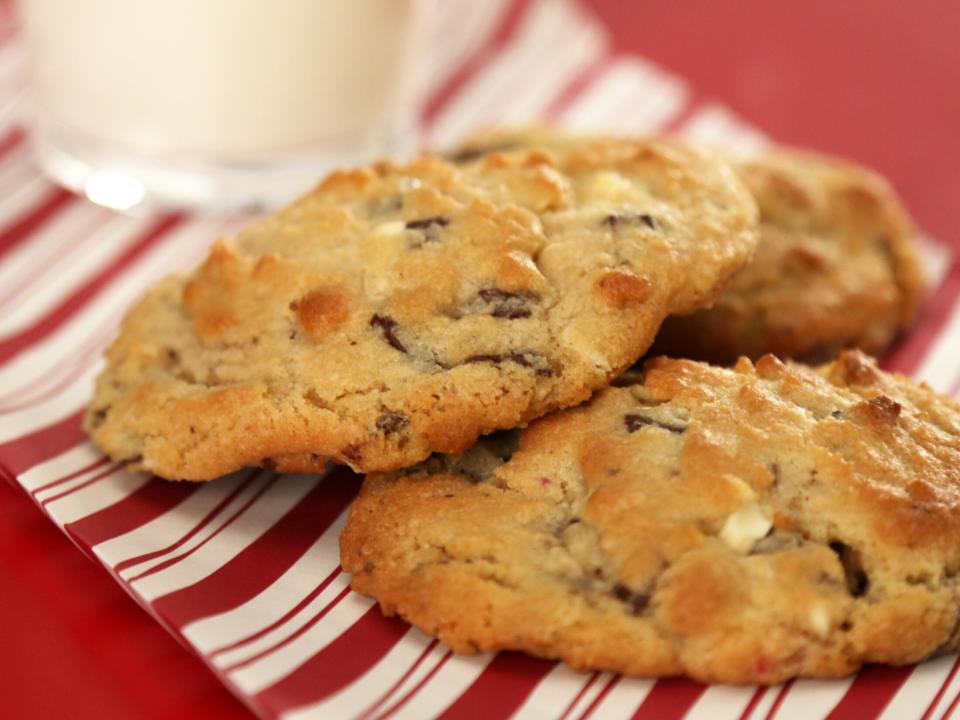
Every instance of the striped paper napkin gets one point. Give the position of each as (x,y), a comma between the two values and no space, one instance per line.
(245,570)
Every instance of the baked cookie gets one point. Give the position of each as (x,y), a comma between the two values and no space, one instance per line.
(741,525)
(400,310)
(837,267)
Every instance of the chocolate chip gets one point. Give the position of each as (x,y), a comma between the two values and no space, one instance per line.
(524,358)
(508,305)
(472,153)
(856,577)
(836,414)
(615,221)
(388,326)
(391,421)
(637,601)
(775,472)
(424,223)
(352,453)
(268,464)
(634,422)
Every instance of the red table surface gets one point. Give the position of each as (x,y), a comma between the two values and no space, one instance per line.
(877,81)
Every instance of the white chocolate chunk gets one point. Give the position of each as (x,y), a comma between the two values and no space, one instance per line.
(745,527)
(820,620)
(396,227)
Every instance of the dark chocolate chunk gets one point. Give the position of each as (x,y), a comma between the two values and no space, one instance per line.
(424,223)
(857,580)
(508,305)
(472,153)
(634,422)
(524,358)
(615,221)
(637,601)
(388,326)
(391,421)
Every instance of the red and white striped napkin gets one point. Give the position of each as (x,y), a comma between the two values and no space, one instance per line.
(244,570)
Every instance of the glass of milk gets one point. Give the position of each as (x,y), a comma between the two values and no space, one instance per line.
(218,104)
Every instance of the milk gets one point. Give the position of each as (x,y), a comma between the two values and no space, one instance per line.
(192,84)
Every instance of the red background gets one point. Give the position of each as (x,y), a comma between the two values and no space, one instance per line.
(878,81)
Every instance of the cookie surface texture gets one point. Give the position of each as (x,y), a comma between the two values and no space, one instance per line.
(741,525)
(397,311)
(837,267)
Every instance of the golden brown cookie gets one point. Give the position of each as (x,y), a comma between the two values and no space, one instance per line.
(837,267)
(400,310)
(741,525)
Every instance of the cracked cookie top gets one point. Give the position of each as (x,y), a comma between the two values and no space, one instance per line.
(736,525)
(399,310)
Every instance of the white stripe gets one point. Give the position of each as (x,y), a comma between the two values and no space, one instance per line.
(171,526)
(717,125)
(430,662)
(720,701)
(630,96)
(297,622)
(50,492)
(54,278)
(552,694)
(369,688)
(553,40)
(589,695)
(812,699)
(221,549)
(271,604)
(462,28)
(936,259)
(59,466)
(21,195)
(940,365)
(918,691)
(274,667)
(622,702)
(443,689)
(765,702)
(202,534)
(97,496)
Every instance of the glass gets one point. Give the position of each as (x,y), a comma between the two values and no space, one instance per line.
(218,104)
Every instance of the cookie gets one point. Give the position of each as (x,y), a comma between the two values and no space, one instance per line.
(742,525)
(399,310)
(837,267)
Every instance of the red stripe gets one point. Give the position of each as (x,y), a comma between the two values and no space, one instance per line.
(13,138)
(501,688)
(35,218)
(611,684)
(147,503)
(75,302)
(781,696)
(752,705)
(77,473)
(871,691)
(204,521)
(576,698)
(264,561)
(292,636)
(402,679)
(669,699)
(18,456)
(341,662)
(494,44)
(309,598)
(943,688)
(223,526)
(418,687)
(907,356)
(106,472)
